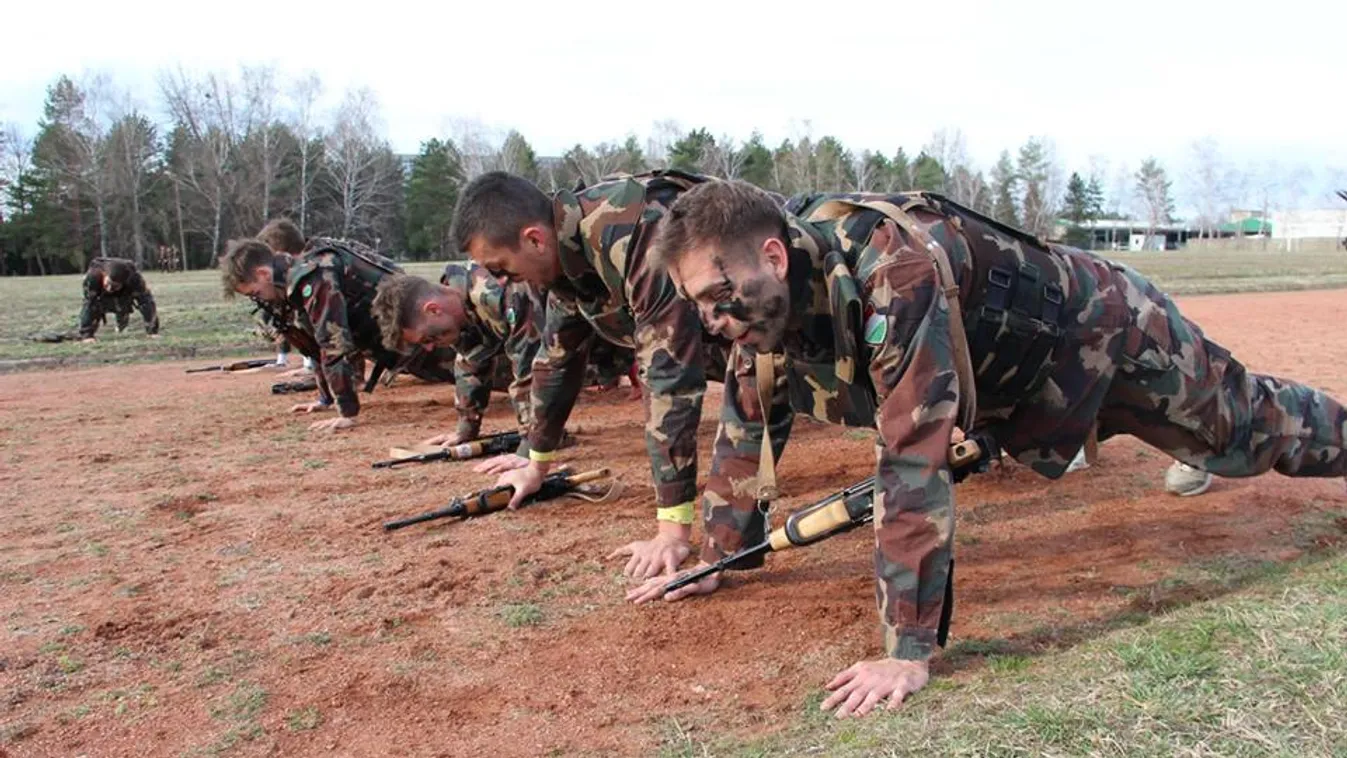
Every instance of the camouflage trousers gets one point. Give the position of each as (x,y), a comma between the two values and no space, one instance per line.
(1189,397)
(95,310)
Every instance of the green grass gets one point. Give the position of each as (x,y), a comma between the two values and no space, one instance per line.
(517,615)
(1193,272)
(194,319)
(198,323)
(1256,673)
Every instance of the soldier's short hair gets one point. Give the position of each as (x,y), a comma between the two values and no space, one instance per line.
(498,205)
(118,271)
(238,262)
(396,305)
(733,215)
(282,236)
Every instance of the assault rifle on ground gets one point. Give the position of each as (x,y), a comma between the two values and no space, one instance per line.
(235,366)
(841,511)
(302,385)
(502,442)
(558,484)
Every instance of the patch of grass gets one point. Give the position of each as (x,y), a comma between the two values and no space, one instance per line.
(315,464)
(97,548)
(69,665)
(317,639)
(517,615)
(245,703)
(303,719)
(48,648)
(1259,671)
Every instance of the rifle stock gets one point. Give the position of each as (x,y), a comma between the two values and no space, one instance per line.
(501,442)
(235,366)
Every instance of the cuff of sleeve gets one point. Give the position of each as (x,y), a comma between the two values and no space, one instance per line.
(349,408)
(467,430)
(678,514)
(914,643)
(675,492)
(541,457)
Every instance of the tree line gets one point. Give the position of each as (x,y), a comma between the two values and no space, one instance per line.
(101,176)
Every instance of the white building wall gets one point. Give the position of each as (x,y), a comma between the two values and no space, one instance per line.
(1312,223)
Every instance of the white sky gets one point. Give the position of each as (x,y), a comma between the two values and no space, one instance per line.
(1122,80)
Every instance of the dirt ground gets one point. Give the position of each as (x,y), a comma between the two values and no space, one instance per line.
(185,570)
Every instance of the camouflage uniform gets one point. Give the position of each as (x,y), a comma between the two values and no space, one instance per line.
(504,327)
(607,291)
(608,363)
(330,286)
(1080,338)
(98,301)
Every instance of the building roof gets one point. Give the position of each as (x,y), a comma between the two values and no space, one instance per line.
(1248,226)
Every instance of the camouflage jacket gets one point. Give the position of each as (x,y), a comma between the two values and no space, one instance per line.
(133,290)
(331,286)
(607,291)
(870,346)
(501,322)
(282,320)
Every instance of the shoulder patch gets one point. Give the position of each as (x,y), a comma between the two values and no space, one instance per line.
(876,329)
(510,316)
(307,291)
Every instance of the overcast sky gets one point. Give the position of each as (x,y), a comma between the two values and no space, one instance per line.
(1121,80)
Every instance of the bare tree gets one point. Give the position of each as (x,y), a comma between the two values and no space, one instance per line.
(592,165)
(965,184)
(304,94)
(260,134)
(725,157)
(1208,183)
(208,111)
(478,146)
(355,167)
(133,150)
(663,135)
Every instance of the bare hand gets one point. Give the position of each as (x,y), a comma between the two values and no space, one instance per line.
(332,424)
(313,407)
(154,336)
(446,440)
(860,688)
(526,480)
(661,555)
(654,587)
(89,339)
(501,463)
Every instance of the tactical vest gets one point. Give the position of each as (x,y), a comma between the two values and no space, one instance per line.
(1013,306)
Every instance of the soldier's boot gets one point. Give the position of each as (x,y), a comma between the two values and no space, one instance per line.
(1185,481)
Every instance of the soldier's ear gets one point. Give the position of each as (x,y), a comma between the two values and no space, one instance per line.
(774,255)
(532,237)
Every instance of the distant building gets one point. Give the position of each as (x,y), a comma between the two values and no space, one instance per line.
(1327,223)
(1132,234)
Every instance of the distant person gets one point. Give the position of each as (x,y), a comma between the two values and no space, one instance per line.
(114,284)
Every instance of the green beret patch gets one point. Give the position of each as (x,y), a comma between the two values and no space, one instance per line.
(308,290)
(876,329)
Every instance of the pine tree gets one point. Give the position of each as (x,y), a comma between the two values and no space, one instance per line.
(1004,185)
(928,174)
(1077,210)
(432,193)
(1153,188)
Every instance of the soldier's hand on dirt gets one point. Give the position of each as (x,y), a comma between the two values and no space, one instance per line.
(860,688)
(653,589)
(89,339)
(332,424)
(446,440)
(661,555)
(154,336)
(526,480)
(313,407)
(501,463)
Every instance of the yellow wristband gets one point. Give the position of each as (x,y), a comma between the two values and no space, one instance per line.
(679,514)
(541,457)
